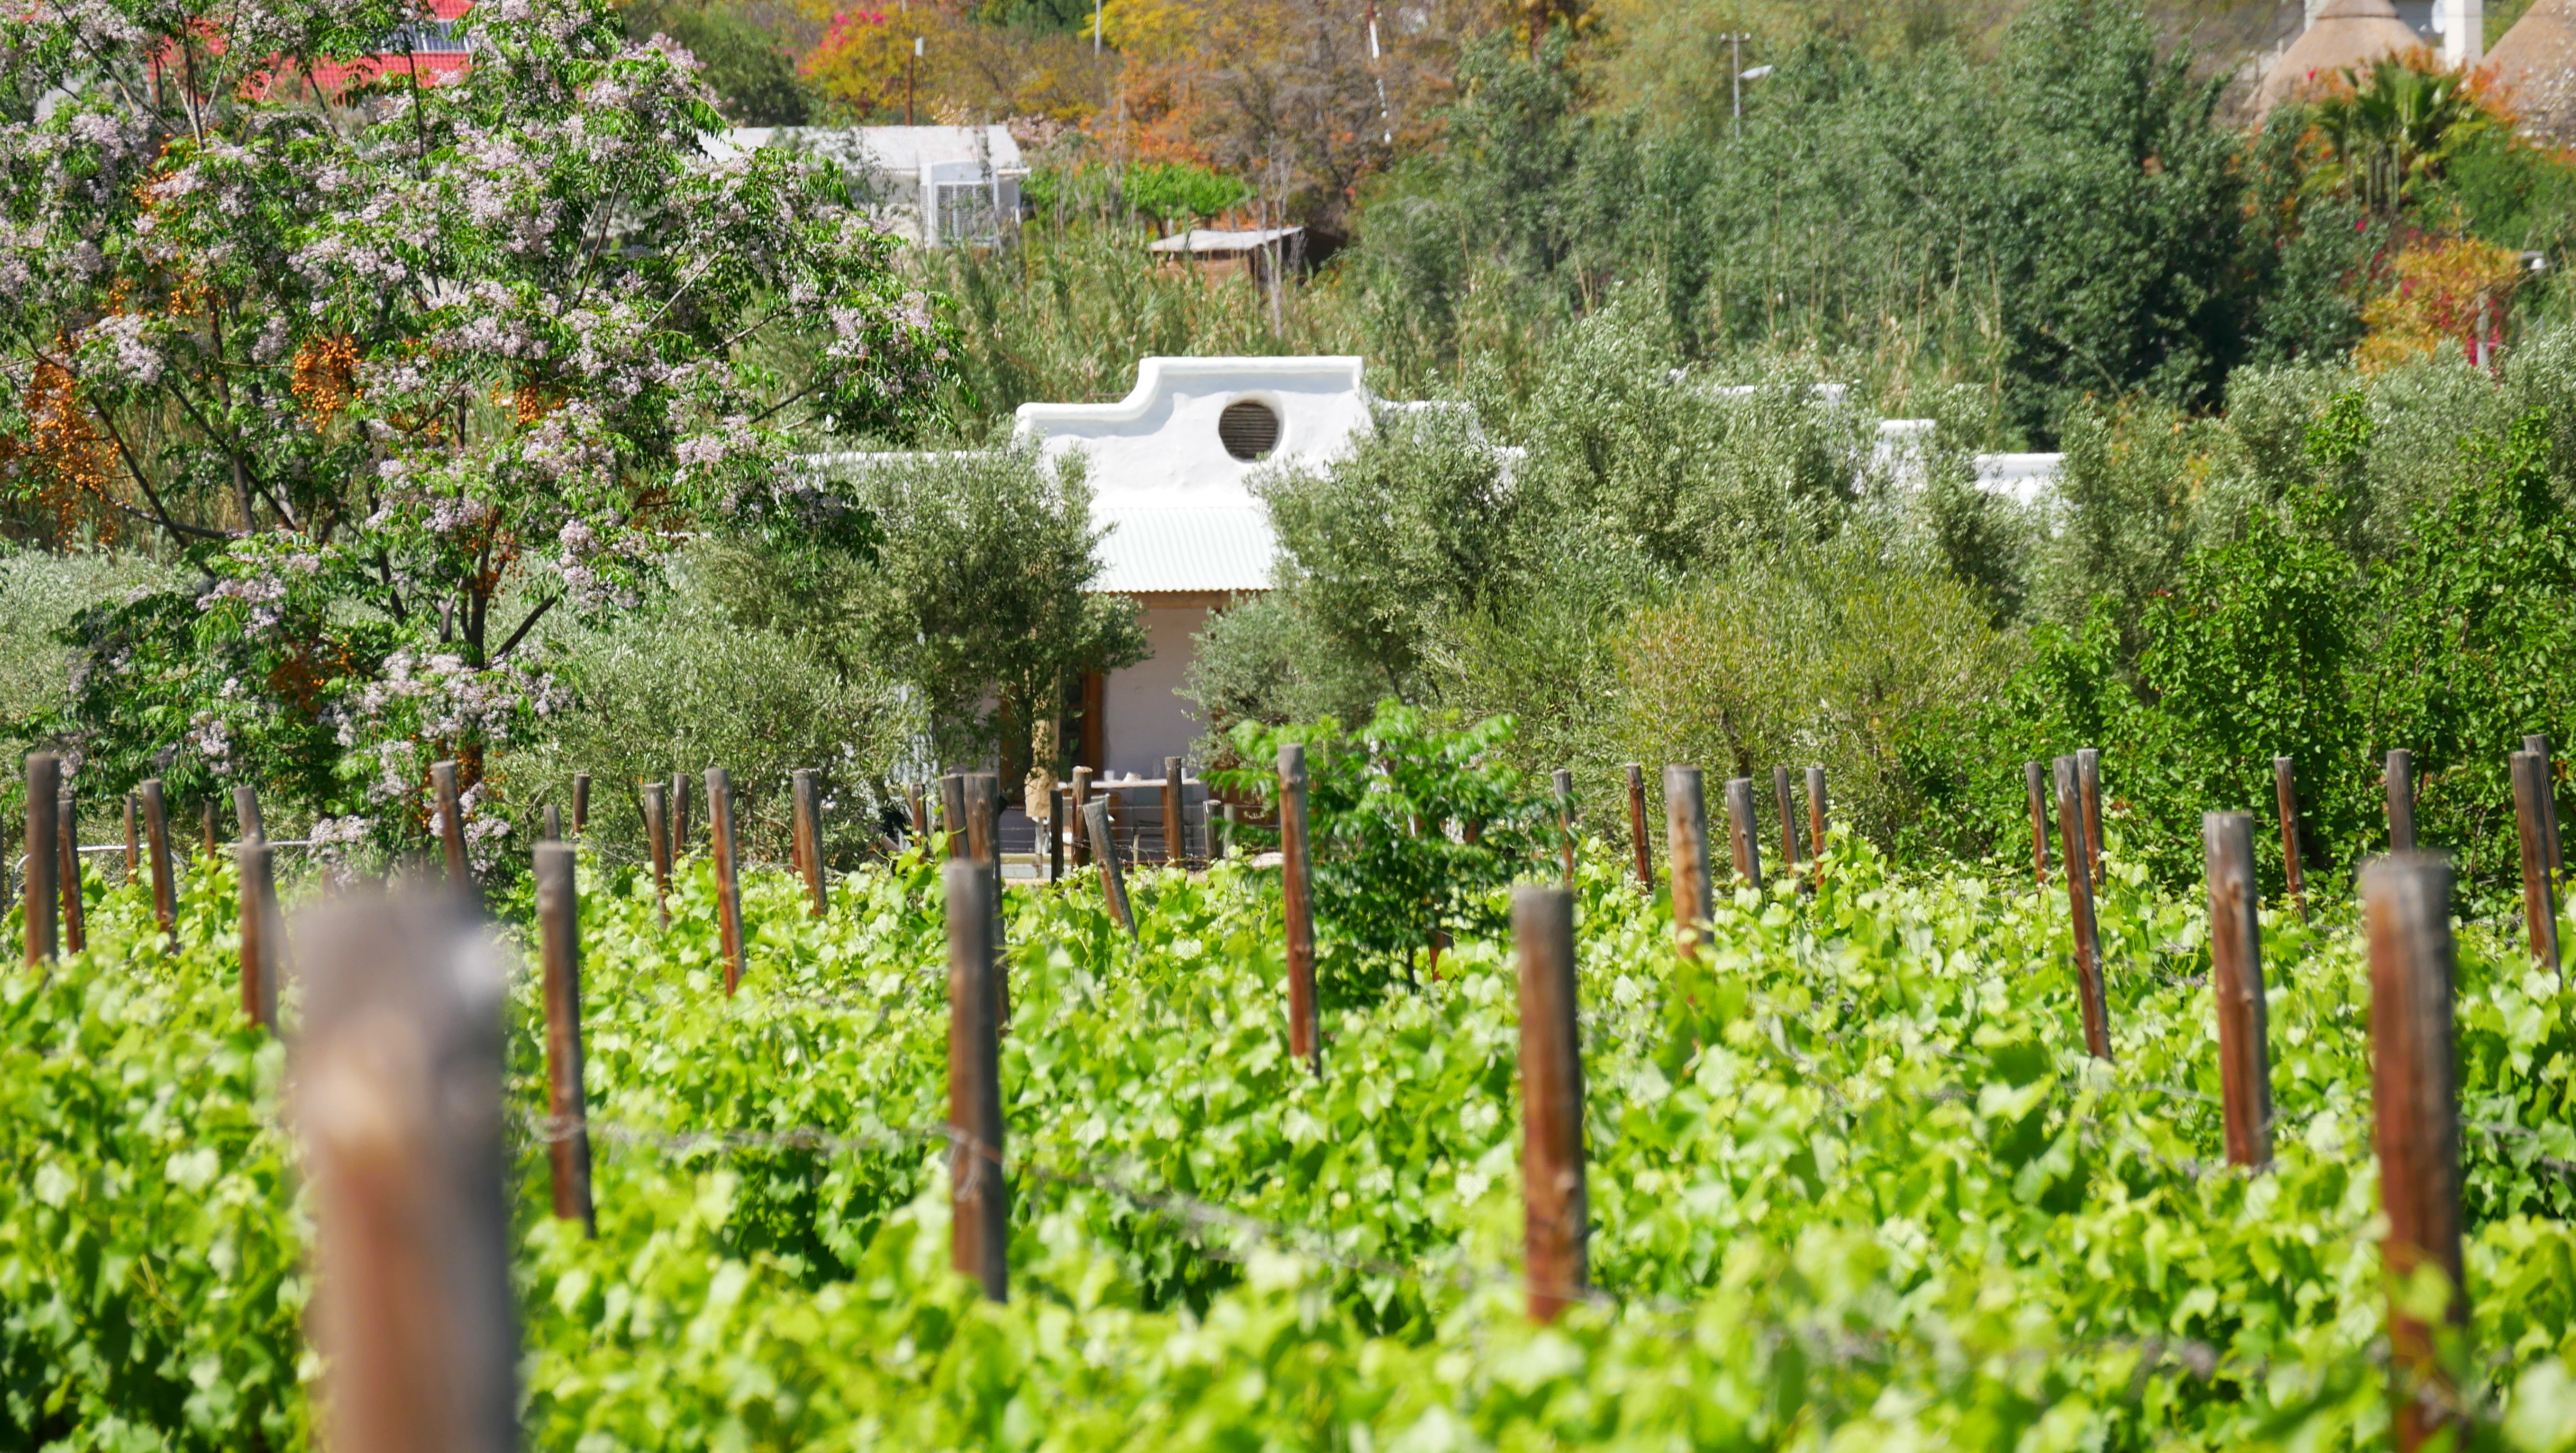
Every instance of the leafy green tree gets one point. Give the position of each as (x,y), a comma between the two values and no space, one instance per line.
(981,598)
(1179,191)
(752,75)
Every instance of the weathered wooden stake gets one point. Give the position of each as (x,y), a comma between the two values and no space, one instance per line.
(2079,908)
(2285,789)
(1081,799)
(450,806)
(808,791)
(1556,1221)
(952,815)
(1744,830)
(1297,903)
(920,813)
(559,940)
(2088,777)
(67,831)
(580,803)
(657,845)
(1563,781)
(2236,987)
(1176,826)
(246,816)
(1057,800)
(1788,805)
(2531,826)
(1637,829)
(44,849)
(206,811)
(2539,742)
(1226,846)
(2414,1091)
(984,845)
(1816,816)
(2401,801)
(728,886)
(552,830)
(397,1088)
(262,942)
(156,842)
(1686,839)
(679,810)
(2035,786)
(979,1197)
(1113,879)
(133,837)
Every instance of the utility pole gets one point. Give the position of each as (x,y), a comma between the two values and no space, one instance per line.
(910,69)
(1095,27)
(1735,76)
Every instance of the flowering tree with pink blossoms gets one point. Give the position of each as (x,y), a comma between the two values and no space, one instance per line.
(402,372)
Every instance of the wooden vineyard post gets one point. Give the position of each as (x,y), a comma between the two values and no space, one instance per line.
(580,803)
(720,839)
(2236,986)
(133,836)
(68,868)
(156,846)
(1686,839)
(2406,911)
(2035,785)
(398,1099)
(1056,799)
(246,816)
(657,846)
(1297,904)
(2538,742)
(952,815)
(44,845)
(2401,801)
(1081,800)
(1556,1220)
(1744,830)
(984,846)
(450,806)
(1563,781)
(260,931)
(1113,882)
(559,939)
(1176,827)
(979,1198)
(552,829)
(808,793)
(2285,788)
(920,813)
(1816,820)
(1637,829)
(2088,778)
(1788,805)
(1231,842)
(679,810)
(2079,909)
(2531,825)
(206,812)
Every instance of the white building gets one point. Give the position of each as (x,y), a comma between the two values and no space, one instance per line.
(1170,467)
(933,186)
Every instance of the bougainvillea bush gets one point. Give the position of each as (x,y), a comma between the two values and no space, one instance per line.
(402,371)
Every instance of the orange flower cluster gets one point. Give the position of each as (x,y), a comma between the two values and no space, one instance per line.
(326,378)
(72,462)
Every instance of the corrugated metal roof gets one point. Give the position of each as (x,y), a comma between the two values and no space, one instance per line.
(1164,548)
(1203,239)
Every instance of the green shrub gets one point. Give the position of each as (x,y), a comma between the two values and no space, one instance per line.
(692,686)
(1414,822)
(1847,659)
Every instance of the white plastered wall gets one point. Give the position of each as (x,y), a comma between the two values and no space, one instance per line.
(1143,718)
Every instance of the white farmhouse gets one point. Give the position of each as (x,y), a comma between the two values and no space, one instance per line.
(1170,468)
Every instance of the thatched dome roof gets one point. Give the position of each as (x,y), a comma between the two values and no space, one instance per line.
(2348,35)
(2535,67)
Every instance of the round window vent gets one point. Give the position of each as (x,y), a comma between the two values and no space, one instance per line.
(1250,430)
